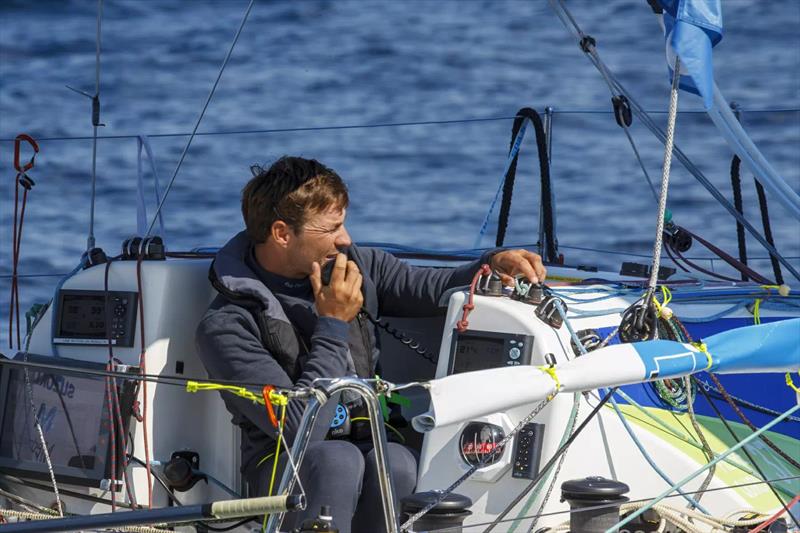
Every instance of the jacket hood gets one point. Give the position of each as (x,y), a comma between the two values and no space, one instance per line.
(231,275)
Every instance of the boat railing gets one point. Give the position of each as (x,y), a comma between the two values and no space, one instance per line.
(322,390)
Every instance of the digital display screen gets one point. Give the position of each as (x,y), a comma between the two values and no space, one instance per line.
(69,410)
(73,414)
(83,315)
(478,353)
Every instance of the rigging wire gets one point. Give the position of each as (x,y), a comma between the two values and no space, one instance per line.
(556,455)
(441,495)
(626,425)
(90,242)
(750,458)
(199,119)
(729,451)
(591,52)
(565,111)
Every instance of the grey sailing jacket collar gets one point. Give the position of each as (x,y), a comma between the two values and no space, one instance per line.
(231,276)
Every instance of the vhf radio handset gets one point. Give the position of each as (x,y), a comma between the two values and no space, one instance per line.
(411,344)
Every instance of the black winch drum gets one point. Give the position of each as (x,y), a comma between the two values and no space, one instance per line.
(591,492)
(448,514)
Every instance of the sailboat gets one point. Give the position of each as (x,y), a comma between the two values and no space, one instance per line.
(608,378)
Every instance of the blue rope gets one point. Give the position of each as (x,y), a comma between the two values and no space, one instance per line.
(511,156)
(676,486)
(54,314)
(650,461)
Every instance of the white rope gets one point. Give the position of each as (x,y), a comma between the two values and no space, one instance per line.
(42,441)
(680,518)
(662,201)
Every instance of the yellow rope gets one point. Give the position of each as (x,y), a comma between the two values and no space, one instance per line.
(700,345)
(667,294)
(791,384)
(661,307)
(756,311)
(197,386)
(277,452)
(551,371)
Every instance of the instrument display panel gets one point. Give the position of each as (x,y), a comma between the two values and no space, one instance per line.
(479,350)
(93,317)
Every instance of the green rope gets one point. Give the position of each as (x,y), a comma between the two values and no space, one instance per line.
(699,471)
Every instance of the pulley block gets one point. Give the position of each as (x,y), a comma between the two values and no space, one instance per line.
(547,311)
(639,323)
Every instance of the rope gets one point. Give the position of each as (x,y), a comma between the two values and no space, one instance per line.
(42,441)
(508,182)
(729,451)
(113,405)
(143,370)
(766,440)
(199,119)
(662,201)
(765,222)
(591,52)
(463,324)
(567,434)
(142,142)
(777,515)
(736,185)
(515,146)
(441,495)
(639,160)
(277,454)
(746,452)
(556,455)
(546,186)
(693,419)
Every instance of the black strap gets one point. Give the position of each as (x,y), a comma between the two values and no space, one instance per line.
(762,204)
(546,189)
(736,185)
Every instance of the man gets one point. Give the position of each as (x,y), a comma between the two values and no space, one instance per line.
(275,322)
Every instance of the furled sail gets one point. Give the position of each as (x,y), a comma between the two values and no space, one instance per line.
(764,348)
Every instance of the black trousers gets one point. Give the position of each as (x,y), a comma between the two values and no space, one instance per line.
(343,475)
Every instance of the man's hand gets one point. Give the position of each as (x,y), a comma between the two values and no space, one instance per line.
(342,297)
(509,263)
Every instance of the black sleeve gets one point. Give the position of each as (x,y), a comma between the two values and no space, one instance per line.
(405,290)
(229,346)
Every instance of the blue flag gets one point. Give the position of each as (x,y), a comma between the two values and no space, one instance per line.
(692,28)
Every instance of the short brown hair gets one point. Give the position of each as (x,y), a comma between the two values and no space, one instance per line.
(290,189)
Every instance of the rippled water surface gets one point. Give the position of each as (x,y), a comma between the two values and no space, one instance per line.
(307,66)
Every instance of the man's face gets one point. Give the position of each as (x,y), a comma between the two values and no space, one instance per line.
(321,239)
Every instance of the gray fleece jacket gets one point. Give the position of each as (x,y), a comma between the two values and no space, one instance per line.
(253,333)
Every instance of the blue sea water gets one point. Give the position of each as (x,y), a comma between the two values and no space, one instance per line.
(309,65)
